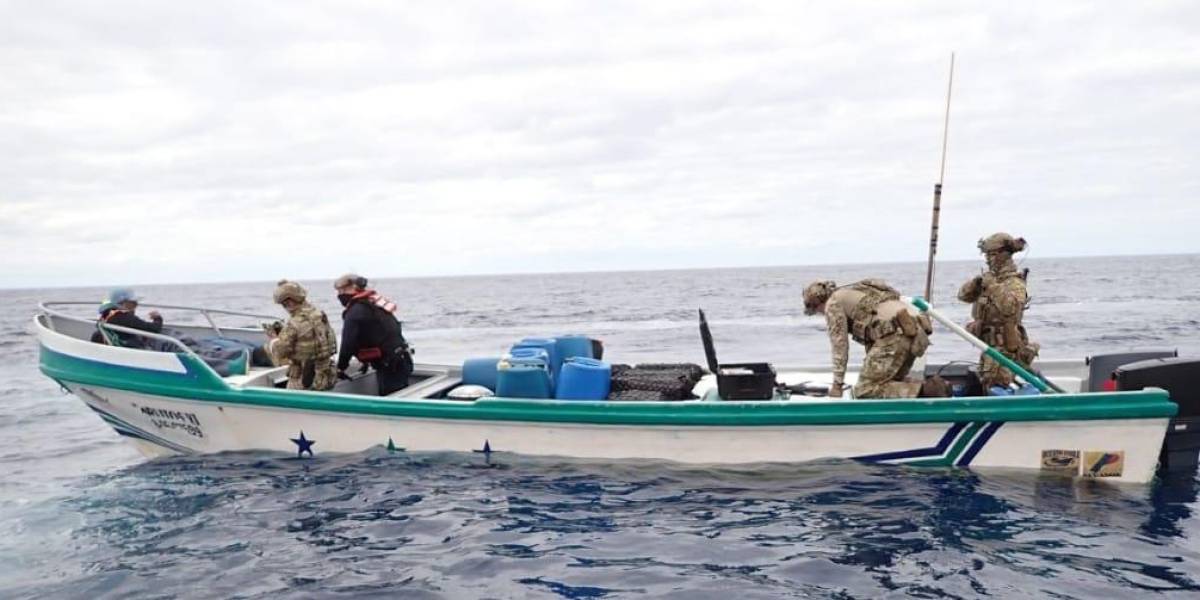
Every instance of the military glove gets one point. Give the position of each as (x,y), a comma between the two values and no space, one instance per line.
(835,390)
(977,284)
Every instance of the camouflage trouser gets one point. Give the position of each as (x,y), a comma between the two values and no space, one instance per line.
(887,363)
(320,376)
(993,373)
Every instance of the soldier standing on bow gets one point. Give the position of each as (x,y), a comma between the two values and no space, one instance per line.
(998,300)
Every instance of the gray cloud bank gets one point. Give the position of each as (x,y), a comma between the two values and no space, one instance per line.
(148,142)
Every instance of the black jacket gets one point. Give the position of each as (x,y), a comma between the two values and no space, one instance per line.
(124,318)
(364,326)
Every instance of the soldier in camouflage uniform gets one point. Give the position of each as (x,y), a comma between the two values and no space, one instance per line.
(306,343)
(999,298)
(872,313)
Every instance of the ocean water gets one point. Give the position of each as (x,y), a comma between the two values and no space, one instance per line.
(82,515)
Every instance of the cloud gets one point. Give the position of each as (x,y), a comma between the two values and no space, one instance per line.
(149,143)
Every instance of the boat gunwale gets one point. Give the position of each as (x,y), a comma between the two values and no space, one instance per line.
(199,383)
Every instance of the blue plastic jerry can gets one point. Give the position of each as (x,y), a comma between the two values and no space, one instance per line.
(584,378)
(570,346)
(523,378)
(1027,389)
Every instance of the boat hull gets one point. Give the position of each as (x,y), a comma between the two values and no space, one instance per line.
(162,426)
(173,404)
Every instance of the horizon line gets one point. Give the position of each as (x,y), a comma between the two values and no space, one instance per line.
(594,271)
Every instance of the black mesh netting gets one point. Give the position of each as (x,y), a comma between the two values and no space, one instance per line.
(657,381)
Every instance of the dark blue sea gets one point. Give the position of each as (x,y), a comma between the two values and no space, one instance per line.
(84,516)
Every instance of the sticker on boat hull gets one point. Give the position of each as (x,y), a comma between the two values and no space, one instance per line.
(1103,463)
(1061,461)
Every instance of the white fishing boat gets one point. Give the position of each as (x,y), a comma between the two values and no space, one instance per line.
(173,402)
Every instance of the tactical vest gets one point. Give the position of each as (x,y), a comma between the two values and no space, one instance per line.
(1003,332)
(982,309)
(313,337)
(875,292)
(326,340)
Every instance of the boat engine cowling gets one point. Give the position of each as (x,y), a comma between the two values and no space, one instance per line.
(1102,367)
(1181,378)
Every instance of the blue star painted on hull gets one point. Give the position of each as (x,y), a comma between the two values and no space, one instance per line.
(303,445)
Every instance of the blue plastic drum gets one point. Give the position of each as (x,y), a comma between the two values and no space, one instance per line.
(570,346)
(517,379)
(584,379)
(480,371)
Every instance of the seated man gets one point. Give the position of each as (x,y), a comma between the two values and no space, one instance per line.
(225,355)
(120,308)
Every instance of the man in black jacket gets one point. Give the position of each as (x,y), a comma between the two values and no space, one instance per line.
(371,333)
(120,308)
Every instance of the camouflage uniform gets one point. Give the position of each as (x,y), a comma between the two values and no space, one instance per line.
(306,344)
(999,298)
(871,313)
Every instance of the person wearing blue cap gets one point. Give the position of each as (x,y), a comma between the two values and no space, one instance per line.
(120,308)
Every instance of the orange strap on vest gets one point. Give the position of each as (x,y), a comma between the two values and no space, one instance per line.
(374,298)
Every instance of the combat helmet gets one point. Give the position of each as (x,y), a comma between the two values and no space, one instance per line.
(1001,242)
(285,290)
(816,294)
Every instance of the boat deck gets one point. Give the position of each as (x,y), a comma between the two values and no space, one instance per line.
(431,381)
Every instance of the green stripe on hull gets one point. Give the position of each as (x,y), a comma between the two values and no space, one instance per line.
(960,445)
(198,384)
(69,368)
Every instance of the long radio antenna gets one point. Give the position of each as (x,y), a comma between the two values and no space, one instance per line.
(937,191)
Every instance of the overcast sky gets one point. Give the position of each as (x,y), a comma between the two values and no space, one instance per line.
(215,141)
